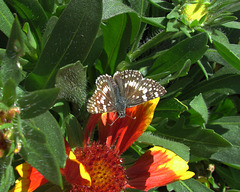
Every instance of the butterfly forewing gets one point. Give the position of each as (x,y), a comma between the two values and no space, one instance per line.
(146,90)
(127,81)
(137,89)
(102,99)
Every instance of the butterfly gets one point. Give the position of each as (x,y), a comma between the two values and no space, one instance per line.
(125,90)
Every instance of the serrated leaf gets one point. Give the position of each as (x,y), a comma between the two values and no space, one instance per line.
(10,67)
(37,102)
(178,148)
(189,185)
(9,93)
(6,19)
(78,24)
(49,126)
(72,82)
(37,152)
(170,108)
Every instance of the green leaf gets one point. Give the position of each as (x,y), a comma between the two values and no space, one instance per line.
(37,152)
(37,102)
(10,67)
(172,26)
(173,59)
(72,82)
(49,126)
(223,84)
(6,19)
(178,148)
(163,5)
(118,33)
(227,54)
(78,24)
(232,24)
(189,185)
(48,5)
(170,108)
(139,6)
(202,142)
(113,8)
(198,104)
(229,128)
(154,21)
(32,12)
(6,173)
(49,28)
(229,175)
(74,131)
(9,93)
(228,156)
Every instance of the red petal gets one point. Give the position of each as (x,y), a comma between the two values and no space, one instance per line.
(73,174)
(157,167)
(126,130)
(94,118)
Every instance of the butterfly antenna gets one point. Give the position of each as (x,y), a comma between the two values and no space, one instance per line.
(114,121)
(130,116)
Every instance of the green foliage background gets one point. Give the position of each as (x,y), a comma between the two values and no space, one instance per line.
(51,52)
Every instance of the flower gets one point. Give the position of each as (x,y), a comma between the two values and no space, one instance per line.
(30,179)
(98,166)
(195,10)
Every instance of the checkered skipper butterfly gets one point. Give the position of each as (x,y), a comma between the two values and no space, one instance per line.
(126,89)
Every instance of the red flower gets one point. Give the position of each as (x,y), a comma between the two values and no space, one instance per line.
(98,166)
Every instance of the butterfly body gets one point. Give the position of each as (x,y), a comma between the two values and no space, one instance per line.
(126,89)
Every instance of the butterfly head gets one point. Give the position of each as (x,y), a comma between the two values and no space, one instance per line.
(121,114)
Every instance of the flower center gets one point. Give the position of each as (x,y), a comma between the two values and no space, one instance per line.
(104,167)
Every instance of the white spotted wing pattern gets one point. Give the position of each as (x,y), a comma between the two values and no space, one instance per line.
(126,89)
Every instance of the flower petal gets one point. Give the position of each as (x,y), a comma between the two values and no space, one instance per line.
(30,179)
(157,167)
(75,171)
(93,119)
(126,130)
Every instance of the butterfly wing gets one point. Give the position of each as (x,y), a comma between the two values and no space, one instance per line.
(127,81)
(102,99)
(146,90)
(137,89)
